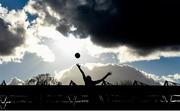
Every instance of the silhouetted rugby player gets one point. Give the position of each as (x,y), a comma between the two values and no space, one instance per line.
(87,79)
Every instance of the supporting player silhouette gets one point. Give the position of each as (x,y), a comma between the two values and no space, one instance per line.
(87,79)
(3,83)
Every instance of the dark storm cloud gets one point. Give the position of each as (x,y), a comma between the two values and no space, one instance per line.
(146,25)
(8,40)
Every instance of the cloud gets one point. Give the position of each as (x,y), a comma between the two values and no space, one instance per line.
(97,71)
(19,36)
(173,78)
(12,35)
(133,37)
(125,54)
(112,23)
(130,30)
(16,81)
(8,40)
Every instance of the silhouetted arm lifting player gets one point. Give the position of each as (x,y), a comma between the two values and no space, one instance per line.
(79,67)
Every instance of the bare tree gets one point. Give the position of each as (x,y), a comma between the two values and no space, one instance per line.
(43,79)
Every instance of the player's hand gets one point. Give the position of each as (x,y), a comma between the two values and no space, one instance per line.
(109,73)
(78,65)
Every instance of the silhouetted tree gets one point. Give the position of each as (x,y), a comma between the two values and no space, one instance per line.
(43,79)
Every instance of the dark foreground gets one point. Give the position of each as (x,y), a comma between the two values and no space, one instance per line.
(81,97)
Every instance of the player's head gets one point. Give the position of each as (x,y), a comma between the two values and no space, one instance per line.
(89,78)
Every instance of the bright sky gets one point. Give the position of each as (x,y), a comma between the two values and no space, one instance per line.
(56,52)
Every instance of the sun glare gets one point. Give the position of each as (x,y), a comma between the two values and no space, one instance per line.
(70,45)
(66,45)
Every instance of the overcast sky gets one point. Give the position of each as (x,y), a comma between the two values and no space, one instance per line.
(42,36)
